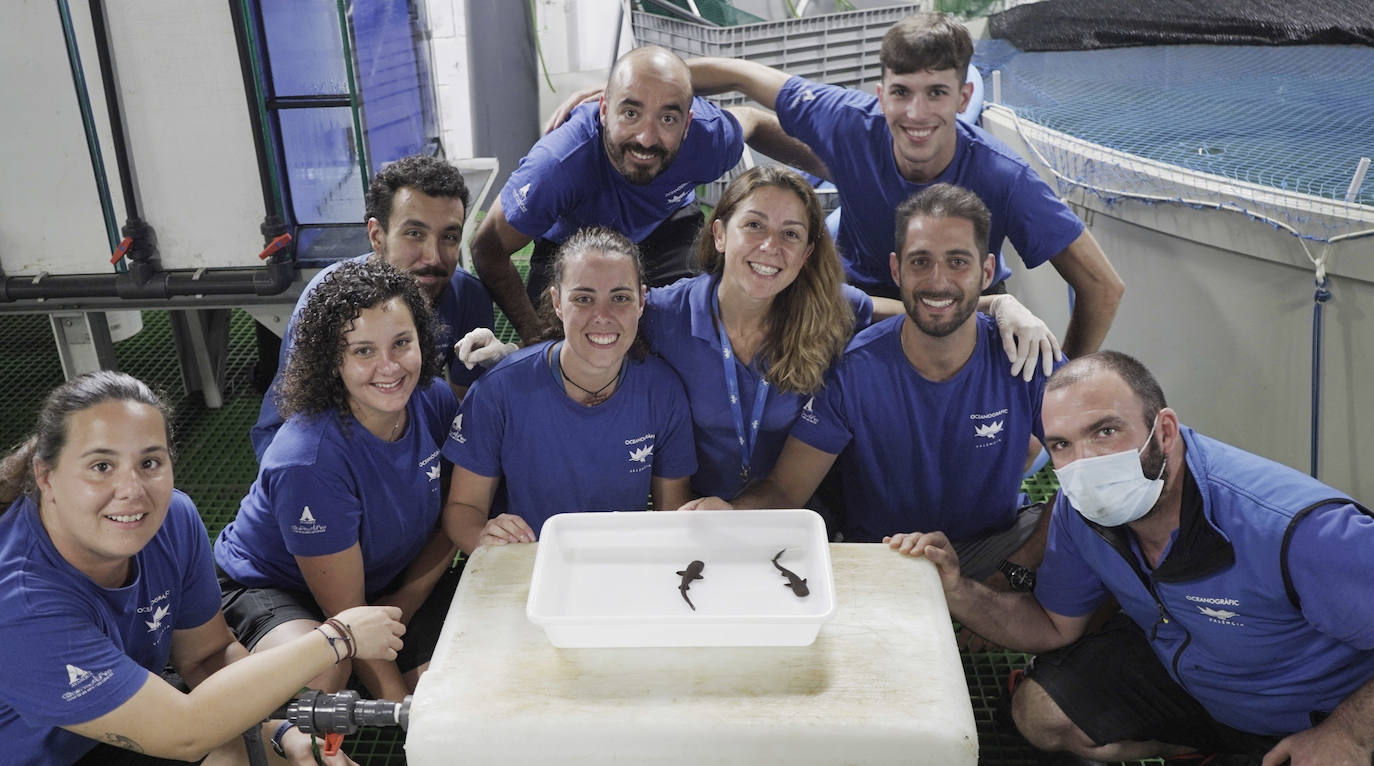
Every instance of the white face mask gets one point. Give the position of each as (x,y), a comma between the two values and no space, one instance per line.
(1112,490)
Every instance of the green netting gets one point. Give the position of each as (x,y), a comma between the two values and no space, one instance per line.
(715,11)
(1041,485)
(503,329)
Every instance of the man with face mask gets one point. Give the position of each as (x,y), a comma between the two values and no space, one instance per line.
(1245,589)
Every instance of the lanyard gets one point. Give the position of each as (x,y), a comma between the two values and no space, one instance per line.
(747,439)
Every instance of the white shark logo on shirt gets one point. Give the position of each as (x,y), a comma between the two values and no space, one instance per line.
(990,430)
(433,472)
(641,454)
(1220,614)
(158,615)
(76,676)
(307,517)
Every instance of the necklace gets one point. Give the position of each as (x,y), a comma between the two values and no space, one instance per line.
(401,418)
(593,397)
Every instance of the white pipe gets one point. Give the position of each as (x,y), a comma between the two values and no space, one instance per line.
(1358,180)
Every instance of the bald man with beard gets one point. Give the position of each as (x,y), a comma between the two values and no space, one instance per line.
(630,161)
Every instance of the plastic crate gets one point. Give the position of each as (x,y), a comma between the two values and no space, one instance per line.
(834,48)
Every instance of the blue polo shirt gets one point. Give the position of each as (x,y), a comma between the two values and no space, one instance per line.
(847,130)
(680,328)
(1234,640)
(559,456)
(463,306)
(921,456)
(74,650)
(566,182)
(324,486)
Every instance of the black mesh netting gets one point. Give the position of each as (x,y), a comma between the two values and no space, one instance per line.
(1060,25)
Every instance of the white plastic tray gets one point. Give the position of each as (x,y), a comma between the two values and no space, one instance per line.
(609,579)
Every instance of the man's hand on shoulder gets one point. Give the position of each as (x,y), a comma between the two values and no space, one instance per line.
(565,109)
(1026,339)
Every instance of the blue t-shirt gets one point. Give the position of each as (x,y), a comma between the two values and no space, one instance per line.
(680,328)
(463,306)
(918,456)
(1234,640)
(73,650)
(558,456)
(566,182)
(321,488)
(847,130)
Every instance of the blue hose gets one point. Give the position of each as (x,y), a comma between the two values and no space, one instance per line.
(1322,295)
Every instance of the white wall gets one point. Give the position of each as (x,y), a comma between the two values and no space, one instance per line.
(578,38)
(188,128)
(1219,307)
(453,89)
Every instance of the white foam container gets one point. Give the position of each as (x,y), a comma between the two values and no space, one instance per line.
(609,579)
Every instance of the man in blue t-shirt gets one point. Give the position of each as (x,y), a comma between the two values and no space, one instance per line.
(930,430)
(415,211)
(1244,588)
(631,162)
(880,149)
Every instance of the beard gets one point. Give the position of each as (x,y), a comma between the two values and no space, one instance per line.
(1152,464)
(1152,461)
(939,328)
(633,173)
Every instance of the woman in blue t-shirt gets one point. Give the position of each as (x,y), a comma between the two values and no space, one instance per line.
(105,576)
(753,336)
(345,507)
(580,422)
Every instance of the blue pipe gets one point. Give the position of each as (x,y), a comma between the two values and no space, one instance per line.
(83,100)
(1322,295)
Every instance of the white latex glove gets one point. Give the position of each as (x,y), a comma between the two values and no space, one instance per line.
(1025,338)
(480,346)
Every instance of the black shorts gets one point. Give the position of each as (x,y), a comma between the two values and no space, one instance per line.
(253,612)
(1113,688)
(669,254)
(109,755)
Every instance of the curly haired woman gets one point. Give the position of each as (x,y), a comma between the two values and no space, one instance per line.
(346,504)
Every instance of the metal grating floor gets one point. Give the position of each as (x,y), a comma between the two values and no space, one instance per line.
(215,466)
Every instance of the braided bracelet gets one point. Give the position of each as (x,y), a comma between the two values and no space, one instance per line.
(345,634)
(331,640)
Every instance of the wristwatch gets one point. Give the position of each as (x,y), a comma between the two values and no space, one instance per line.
(1021,579)
(276,737)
